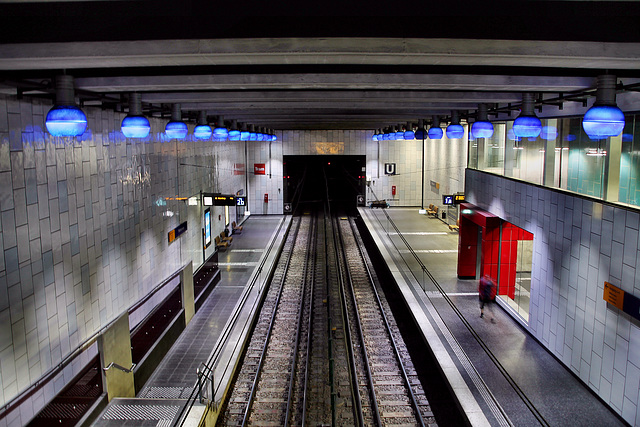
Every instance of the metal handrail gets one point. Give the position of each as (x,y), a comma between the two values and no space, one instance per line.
(120,367)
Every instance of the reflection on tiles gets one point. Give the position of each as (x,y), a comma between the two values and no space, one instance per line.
(247,250)
(419,233)
(238,264)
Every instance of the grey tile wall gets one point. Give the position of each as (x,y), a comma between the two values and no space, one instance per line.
(83,232)
(579,244)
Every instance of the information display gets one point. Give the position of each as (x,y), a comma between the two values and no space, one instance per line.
(241,201)
(447,199)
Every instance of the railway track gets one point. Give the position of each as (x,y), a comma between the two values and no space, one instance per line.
(325,349)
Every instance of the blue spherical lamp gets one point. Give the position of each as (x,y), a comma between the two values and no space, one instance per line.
(482,128)
(135,125)
(435,131)
(409,134)
(202,130)
(421,132)
(65,119)
(220,132)
(176,128)
(455,129)
(604,119)
(244,133)
(527,125)
(234,133)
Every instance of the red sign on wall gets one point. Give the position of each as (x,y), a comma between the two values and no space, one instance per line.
(238,168)
(259,168)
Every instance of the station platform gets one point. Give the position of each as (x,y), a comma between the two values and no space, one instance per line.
(211,337)
(499,373)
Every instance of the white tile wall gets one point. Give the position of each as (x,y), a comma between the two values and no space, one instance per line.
(444,164)
(83,232)
(580,244)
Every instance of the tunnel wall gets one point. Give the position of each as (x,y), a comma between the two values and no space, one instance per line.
(578,244)
(83,232)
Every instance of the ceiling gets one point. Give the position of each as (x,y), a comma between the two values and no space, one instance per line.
(314,81)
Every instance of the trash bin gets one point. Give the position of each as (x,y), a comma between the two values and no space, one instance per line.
(444,215)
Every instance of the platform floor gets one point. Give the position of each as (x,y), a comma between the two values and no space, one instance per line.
(512,378)
(175,378)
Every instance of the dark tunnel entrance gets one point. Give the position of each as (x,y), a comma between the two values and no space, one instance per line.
(309,179)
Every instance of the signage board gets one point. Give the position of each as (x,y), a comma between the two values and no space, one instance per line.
(622,300)
(224,200)
(241,201)
(389,168)
(259,168)
(177,232)
(447,199)
(458,198)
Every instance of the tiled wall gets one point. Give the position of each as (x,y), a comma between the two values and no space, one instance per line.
(578,244)
(444,165)
(83,231)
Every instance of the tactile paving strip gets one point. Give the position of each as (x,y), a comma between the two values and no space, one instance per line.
(163,413)
(166,392)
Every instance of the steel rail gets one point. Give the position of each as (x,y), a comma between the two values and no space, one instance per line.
(247,411)
(305,273)
(405,377)
(367,366)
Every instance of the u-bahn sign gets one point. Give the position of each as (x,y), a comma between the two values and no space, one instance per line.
(389,168)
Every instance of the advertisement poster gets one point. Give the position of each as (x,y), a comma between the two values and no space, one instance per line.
(207,228)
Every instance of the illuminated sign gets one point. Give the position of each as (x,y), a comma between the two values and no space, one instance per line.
(389,168)
(458,198)
(224,200)
(447,199)
(207,200)
(241,201)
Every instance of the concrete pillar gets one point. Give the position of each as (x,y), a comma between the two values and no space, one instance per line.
(611,178)
(186,290)
(114,346)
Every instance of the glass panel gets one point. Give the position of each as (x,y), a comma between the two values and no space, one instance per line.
(523,277)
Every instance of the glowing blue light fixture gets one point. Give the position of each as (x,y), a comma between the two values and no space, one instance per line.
(135,125)
(527,125)
(421,132)
(274,137)
(65,119)
(482,127)
(202,130)
(176,128)
(234,133)
(455,129)
(435,131)
(604,119)
(244,133)
(400,133)
(220,132)
(409,134)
